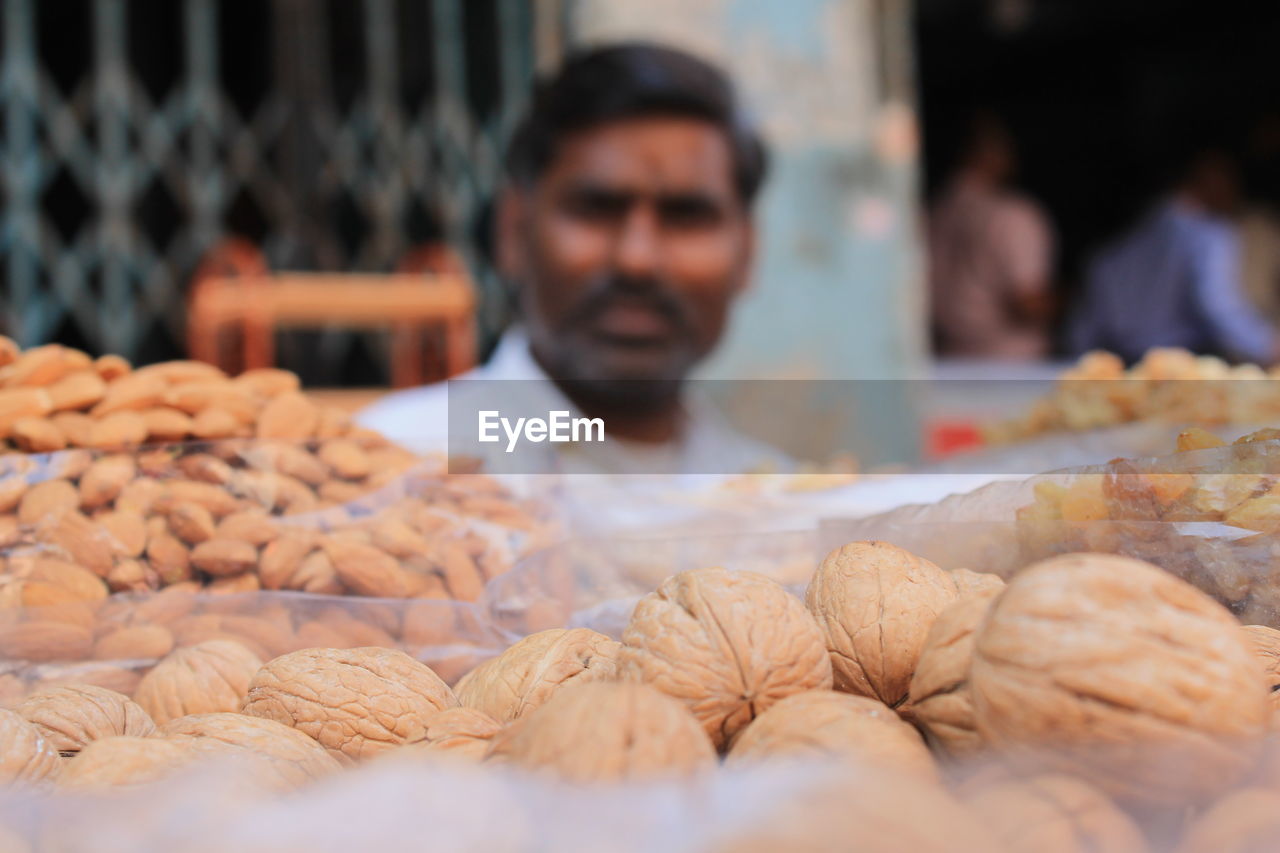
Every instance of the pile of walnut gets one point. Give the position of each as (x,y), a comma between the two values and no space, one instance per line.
(1094,703)
(1168,385)
(176,475)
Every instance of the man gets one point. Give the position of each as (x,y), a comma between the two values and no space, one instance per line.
(990,257)
(626,228)
(1174,281)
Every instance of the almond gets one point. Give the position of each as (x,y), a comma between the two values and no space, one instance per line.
(105,479)
(290,460)
(167,555)
(69,464)
(222,557)
(191,523)
(10,530)
(399,539)
(140,495)
(288,416)
(12,488)
(195,397)
(75,426)
(19,403)
(212,424)
(213,498)
(338,492)
(267,381)
(37,435)
(132,576)
(318,635)
(461,574)
(45,640)
(281,558)
(111,367)
(365,570)
(127,528)
(79,582)
(134,392)
(165,424)
(316,574)
(332,422)
(79,390)
(9,351)
(234,585)
(345,458)
(256,528)
(42,365)
(206,468)
(273,638)
(167,606)
(47,498)
(122,429)
(140,642)
(178,372)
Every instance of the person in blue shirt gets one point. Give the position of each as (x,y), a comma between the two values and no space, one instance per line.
(1175,281)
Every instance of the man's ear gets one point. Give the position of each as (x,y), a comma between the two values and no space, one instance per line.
(509,226)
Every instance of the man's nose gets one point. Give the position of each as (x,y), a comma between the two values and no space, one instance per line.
(637,250)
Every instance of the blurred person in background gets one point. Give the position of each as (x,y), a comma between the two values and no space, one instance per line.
(1174,280)
(990,256)
(1258,220)
(626,229)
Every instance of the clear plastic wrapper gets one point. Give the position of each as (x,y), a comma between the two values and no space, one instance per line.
(1210,516)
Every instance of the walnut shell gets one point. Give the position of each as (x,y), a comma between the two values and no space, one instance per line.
(827,723)
(939,700)
(976,583)
(1266,647)
(605,732)
(201,679)
(73,715)
(356,702)
(26,755)
(875,603)
(1055,814)
(849,808)
(116,762)
(727,644)
(294,757)
(1116,671)
(460,732)
(525,675)
(1244,821)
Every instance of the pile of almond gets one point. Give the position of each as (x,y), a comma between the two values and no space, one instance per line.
(122,480)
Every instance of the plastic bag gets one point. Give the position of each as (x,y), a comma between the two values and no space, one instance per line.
(1210,516)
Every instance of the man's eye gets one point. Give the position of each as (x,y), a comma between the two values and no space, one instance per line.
(597,205)
(688,212)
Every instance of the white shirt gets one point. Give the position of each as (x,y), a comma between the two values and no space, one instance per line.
(418,419)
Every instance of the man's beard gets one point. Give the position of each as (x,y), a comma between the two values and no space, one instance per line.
(574,357)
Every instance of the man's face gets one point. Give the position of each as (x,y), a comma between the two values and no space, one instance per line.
(629,250)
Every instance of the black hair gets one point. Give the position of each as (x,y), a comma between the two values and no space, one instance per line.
(632,80)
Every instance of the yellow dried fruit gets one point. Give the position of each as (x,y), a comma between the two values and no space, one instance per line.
(72,716)
(26,756)
(201,679)
(294,758)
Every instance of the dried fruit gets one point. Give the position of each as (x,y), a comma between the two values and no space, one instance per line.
(78,390)
(1266,647)
(356,702)
(117,762)
(135,642)
(223,557)
(45,499)
(875,603)
(976,583)
(529,672)
(72,716)
(606,732)
(294,758)
(826,723)
(1244,821)
(1055,814)
(122,429)
(105,479)
(1120,673)
(939,700)
(37,435)
(727,644)
(47,639)
(200,679)
(460,732)
(26,756)
(367,571)
(289,416)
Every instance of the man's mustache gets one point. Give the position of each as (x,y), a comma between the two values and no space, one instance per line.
(647,292)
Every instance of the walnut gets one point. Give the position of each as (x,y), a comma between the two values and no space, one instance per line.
(817,810)
(294,758)
(525,675)
(356,702)
(200,679)
(939,699)
(607,731)
(1266,647)
(72,716)
(1052,813)
(25,754)
(976,583)
(825,723)
(116,762)
(727,644)
(1109,668)
(875,603)
(1244,821)
(460,732)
